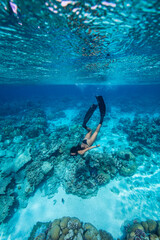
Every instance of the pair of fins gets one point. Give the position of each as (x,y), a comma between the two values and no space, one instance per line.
(102,109)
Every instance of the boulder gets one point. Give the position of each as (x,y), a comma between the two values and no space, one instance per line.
(152,225)
(5,204)
(134,227)
(105,235)
(128,171)
(55,232)
(158,229)
(74,223)
(64,222)
(153,237)
(145,225)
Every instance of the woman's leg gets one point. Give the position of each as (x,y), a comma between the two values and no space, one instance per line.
(93,137)
(88,135)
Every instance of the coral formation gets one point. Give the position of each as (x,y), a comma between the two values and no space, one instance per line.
(6,202)
(143,130)
(145,230)
(68,228)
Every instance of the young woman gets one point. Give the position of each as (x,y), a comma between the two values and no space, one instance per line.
(90,138)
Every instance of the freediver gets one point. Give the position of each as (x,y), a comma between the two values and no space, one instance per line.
(89,139)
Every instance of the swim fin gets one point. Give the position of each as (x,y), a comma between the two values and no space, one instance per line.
(102,107)
(89,114)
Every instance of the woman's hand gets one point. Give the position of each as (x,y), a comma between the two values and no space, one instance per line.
(98,145)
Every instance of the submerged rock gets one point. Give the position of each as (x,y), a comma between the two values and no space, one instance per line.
(6,202)
(145,230)
(128,171)
(4,182)
(152,225)
(68,228)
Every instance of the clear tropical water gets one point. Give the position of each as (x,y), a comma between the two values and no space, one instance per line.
(41,182)
(114,42)
(56,56)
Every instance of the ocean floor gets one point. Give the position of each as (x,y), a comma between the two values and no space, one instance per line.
(115,203)
(110,185)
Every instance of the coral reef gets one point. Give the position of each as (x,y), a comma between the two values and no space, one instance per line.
(73,229)
(93,171)
(145,230)
(6,202)
(143,130)
(68,228)
(34,152)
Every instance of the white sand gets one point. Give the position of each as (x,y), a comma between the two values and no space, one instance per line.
(115,203)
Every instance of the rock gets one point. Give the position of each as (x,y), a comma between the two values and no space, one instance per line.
(158,229)
(55,232)
(69,235)
(46,167)
(102,178)
(5,204)
(65,231)
(41,236)
(139,150)
(55,222)
(105,235)
(4,182)
(152,225)
(79,236)
(145,225)
(39,231)
(64,222)
(22,158)
(74,223)
(62,237)
(128,171)
(134,227)
(126,155)
(157,120)
(153,237)
(132,234)
(91,232)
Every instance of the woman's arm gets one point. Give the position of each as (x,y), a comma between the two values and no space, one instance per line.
(81,152)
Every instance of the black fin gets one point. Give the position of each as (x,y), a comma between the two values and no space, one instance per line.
(102,107)
(89,115)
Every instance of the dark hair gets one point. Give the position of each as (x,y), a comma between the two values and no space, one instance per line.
(74,150)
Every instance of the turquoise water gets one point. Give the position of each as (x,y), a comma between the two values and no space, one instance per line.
(114,42)
(109,186)
(56,56)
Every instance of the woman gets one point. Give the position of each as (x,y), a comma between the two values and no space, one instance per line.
(89,139)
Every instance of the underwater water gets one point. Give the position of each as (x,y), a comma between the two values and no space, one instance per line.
(55,57)
(108,186)
(100,42)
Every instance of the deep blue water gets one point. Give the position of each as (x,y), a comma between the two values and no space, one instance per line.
(15,92)
(144,97)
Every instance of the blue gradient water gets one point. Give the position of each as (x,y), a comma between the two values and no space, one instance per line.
(55,57)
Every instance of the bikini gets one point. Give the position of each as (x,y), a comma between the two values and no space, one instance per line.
(85,141)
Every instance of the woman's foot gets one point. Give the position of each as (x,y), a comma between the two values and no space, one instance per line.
(87,128)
